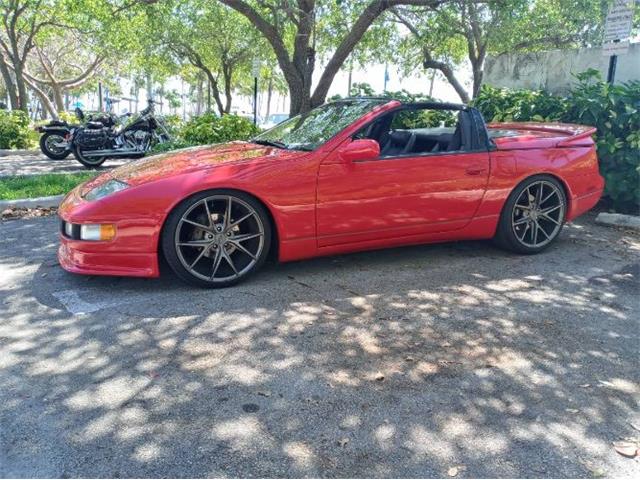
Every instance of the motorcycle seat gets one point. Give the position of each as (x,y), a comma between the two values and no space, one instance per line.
(94,125)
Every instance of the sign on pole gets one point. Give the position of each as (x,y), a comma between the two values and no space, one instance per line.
(617,28)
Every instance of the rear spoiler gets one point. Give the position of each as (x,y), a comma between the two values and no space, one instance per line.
(576,135)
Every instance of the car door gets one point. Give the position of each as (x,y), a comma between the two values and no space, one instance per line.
(398,195)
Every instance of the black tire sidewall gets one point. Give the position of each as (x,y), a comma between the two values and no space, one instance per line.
(48,153)
(505,236)
(171,223)
(78,154)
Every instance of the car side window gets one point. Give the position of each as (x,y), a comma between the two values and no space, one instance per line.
(420,131)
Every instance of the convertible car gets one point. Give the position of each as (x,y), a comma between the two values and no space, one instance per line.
(356,174)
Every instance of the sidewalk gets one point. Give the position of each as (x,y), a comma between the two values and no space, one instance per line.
(32,162)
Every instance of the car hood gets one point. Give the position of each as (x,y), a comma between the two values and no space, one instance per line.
(191,159)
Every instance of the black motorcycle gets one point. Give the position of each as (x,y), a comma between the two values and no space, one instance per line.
(94,142)
(55,141)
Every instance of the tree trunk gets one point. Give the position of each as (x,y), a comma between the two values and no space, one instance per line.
(8,81)
(269,94)
(57,97)
(21,87)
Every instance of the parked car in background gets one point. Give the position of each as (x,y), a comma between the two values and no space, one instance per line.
(351,175)
(272,120)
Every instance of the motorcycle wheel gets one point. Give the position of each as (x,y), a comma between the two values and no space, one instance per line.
(88,162)
(47,141)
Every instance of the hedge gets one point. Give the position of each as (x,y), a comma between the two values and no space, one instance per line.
(613,109)
(14,129)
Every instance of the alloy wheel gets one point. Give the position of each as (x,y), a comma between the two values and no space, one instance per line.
(538,214)
(219,238)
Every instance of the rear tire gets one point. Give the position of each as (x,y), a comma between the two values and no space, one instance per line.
(216,238)
(45,146)
(88,162)
(533,215)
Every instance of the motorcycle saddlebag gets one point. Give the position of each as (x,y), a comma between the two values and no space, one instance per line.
(90,139)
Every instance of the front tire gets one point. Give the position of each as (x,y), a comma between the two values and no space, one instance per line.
(533,216)
(88,162)
(216,238)
(47,146)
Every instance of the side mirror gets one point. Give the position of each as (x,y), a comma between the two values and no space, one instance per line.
(359,150)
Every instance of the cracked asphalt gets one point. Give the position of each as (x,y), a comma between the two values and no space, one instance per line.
(443,360)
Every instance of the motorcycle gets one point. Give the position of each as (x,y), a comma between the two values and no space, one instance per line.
(56,135)
(94,142)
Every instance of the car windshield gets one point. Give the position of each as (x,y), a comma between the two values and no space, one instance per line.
(310,130)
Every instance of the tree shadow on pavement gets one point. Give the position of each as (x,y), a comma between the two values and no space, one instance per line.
(400,363)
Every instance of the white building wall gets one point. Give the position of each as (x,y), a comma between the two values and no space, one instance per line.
(554,70)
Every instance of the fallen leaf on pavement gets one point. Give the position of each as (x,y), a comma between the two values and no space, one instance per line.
(264,393)
(379,376)
(626,449)
(343,442)
(453,471)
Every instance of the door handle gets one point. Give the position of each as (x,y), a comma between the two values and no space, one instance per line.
(475,170)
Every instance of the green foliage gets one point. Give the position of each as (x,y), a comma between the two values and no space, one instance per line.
(32,186)
(209,128)
(204,130)
(14,129)
(613,109)
(504,105)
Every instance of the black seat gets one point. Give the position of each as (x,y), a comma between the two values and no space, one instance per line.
(398,142)
(462,135)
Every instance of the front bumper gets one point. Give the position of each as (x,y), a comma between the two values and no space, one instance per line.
(133,252)
(73,259)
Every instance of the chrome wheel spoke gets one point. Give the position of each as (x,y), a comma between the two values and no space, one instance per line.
(245,237)
(217,259)
(206,207)
(229,260)
(227,214)
(547,197)
(546,211)
(521,221)
(241,247)
(242,219)
(540,228)
(195,243)
(199,257)
(547,217)
(196,224)
(526,229)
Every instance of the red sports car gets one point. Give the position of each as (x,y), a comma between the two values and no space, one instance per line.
(351,175)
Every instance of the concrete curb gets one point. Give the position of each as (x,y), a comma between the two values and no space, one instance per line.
(619,220)
(44,202)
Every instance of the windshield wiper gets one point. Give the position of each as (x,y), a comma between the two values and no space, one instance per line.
(271,143)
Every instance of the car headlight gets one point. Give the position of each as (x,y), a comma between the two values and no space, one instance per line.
(107,188)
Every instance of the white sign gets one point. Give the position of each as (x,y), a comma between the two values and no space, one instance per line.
(618,48)
(619,21)
(255,68)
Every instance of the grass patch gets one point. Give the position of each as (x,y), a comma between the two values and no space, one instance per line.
(32,186)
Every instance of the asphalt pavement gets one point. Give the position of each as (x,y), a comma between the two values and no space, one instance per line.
(446,360)
(34,163)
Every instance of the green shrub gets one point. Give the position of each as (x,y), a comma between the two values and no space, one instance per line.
(14,129)
(613,109)
(209,128)
(504,105)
